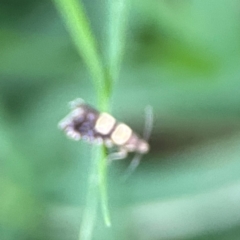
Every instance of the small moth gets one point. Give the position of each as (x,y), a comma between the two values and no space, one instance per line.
(85,122)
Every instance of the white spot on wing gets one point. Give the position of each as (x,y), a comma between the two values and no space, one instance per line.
(104,123)
(121,134)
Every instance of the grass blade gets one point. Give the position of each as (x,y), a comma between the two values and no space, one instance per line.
(102,170)
(116,32)
(90,211)
(80,31)
(79,28)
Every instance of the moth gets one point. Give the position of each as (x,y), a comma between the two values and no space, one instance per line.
(85,122)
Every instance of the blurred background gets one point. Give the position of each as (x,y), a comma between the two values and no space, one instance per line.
(182,57)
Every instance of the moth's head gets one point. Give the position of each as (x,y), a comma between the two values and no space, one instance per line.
(76,116)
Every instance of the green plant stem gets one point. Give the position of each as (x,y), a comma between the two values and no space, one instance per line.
(102,173)
(90,211)
(80,31)
(116,35)
(78,25)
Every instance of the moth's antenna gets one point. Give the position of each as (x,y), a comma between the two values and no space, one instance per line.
(148,123)
(146,135)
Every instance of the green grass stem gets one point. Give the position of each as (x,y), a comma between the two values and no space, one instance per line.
(79,28)
(116,31)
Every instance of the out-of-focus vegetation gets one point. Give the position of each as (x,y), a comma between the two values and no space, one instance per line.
(182,57)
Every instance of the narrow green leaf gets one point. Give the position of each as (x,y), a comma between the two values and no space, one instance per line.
(90,211)
(102,170)
(116,32)
(117,18)
(80,30)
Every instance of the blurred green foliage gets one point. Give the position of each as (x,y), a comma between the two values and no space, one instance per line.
(182,57)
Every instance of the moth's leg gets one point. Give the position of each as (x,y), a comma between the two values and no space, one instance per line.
(132,166)
(117,155)
(146,134)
